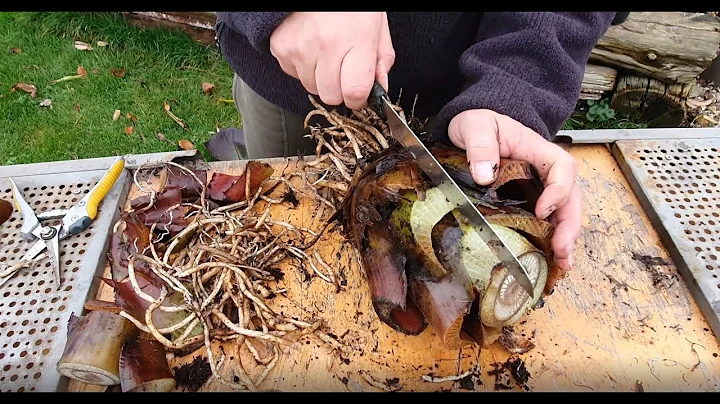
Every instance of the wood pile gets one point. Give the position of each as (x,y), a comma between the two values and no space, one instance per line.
(649,66)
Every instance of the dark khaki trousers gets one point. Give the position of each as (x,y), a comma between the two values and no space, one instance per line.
(269,130)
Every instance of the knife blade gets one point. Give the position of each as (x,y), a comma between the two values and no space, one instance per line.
(437,174)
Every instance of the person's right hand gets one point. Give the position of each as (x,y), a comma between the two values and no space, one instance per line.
(336,56)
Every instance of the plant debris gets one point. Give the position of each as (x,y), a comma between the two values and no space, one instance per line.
(186,144)
(166,108)
(79,45)
(28,88)
(102,44)
(653,265)
(513,342)
(208,88)
(514,367)
(120,73)
(47,103)
(703,105)
(6,210)
(192,376)
(116,115)
(162,137)
(14,51)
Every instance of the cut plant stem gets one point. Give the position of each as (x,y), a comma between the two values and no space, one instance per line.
(93,348)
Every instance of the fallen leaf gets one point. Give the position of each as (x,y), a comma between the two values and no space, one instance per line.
(129,130)
(81,71)
(226,100)
(162,137)
(47,102)
(177,120)
(28,88)
(131,117)
(208,88)
(95,70)
(118,72)
(77,107)
(186,145)
(82,46)
(116,115)
(102,44)
(6,210)
(14,51)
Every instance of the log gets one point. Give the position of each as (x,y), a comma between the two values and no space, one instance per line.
(597,81)
(200,26)
(673,47)
(650,101)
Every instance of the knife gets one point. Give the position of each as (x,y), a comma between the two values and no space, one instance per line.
(399,130)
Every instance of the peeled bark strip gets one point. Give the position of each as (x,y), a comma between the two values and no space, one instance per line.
(673,47)
(143,366)
(94,344)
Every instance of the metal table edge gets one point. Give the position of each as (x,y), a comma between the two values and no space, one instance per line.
(669,241)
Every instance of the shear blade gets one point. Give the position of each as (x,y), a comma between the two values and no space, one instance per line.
(53,246)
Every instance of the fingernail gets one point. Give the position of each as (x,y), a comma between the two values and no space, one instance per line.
(483,173)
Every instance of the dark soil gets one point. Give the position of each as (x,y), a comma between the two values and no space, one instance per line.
(652,265)
(192,376)
(514,367)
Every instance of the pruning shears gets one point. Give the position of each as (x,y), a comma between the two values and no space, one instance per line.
(74,220)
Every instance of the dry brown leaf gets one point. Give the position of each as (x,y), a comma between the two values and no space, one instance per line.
(81,71)
(79,45)
(186,145)
(116,115)
(129,130)
(28,88)
(208,88)
(177,120)
(131,117)
(118,72)
(47,102)
(14,51)
(77,107)
(102,44)
(162,137)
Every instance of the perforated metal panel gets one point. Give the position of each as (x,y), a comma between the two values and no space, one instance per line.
(33,313)
(677,183)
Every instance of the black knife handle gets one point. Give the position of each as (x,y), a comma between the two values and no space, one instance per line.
(375,100)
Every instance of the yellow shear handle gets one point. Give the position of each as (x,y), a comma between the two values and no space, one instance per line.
(103,187)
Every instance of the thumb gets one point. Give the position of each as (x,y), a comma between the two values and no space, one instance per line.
(385,54)
(476,132)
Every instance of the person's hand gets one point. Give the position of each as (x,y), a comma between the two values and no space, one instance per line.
(337,56)
(486,136)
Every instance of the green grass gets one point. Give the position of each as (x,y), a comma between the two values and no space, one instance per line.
(160,65)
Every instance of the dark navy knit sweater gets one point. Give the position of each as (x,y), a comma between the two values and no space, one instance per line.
(527,65)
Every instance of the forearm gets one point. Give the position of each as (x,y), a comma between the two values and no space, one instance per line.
(255,26)
(528,66)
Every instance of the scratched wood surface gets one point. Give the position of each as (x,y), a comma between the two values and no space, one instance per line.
(606,327)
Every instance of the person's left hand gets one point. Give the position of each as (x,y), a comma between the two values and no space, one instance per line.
(486,136)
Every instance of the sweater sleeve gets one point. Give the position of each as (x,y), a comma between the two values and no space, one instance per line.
(255,26)
(528,66)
